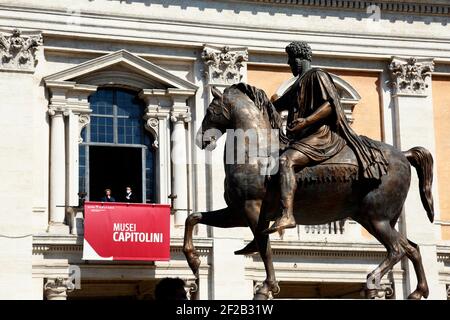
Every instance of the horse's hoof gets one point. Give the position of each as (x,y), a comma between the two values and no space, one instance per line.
(416,295)
(249,249)
(280,224)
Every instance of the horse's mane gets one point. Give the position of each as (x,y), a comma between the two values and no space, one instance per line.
(259,98)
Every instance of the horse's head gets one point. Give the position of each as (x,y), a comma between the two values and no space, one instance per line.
(215,122)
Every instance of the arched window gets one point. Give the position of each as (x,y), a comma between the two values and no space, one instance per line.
(116,151)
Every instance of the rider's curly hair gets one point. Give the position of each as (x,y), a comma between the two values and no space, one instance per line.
(299,49)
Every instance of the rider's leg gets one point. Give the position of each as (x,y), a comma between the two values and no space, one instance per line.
(289,160)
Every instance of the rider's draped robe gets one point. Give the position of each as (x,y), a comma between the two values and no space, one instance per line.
(325,138)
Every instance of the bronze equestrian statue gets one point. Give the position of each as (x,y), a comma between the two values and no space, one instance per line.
(327,172)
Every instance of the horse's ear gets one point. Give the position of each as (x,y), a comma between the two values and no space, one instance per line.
(216,92)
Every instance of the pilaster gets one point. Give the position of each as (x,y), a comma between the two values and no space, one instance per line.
(224,66)
(412,100)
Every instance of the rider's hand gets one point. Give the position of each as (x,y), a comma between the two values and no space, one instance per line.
(297,125)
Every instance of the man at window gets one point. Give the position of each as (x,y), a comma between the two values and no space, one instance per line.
(129,196)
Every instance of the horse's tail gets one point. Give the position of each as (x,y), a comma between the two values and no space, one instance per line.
(421,159)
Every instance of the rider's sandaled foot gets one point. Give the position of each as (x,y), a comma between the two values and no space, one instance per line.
(250,248)
(285,222)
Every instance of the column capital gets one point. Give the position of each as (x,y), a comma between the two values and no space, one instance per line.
(155,111)
(68,95)
(409,75)
(180,116)
(18,51)
(224,65)
(56,289)
(54,111)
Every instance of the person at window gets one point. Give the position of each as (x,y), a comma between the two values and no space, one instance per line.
(108,197)
(129,196)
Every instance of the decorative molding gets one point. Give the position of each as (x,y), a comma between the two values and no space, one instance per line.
(336,227)
(295,248)
(71,244)
(184,116)
(191,288)
(224,65)
(55,111)
(18,52)
(443,257)
(448,292)
(56,289)
(147,69)
(407,7)
(329,253)
(163,104)
(83,121)
(409,75)
(152,125)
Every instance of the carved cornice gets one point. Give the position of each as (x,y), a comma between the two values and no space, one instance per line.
(407,7)
(409,75)
(223,64)
(44,248)
(18,52)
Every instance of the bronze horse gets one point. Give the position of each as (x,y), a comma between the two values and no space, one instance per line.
(253,199)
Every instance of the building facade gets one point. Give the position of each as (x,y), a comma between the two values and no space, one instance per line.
(98,93)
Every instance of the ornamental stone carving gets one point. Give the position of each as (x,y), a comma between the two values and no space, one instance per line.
(56,289)
(83,121)
(409,75)
(55,110)
(224,64)
(18,52)
(152,125)
(183,116)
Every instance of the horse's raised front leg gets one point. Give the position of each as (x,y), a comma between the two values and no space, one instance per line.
(223,218)
(270,285)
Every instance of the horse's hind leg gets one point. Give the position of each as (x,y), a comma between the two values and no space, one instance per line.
(413,253)
(253,213)
(391,239)
(223,218)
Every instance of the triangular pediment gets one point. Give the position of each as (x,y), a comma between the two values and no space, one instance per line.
(123,61)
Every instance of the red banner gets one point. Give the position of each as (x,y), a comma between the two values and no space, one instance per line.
(123,231)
